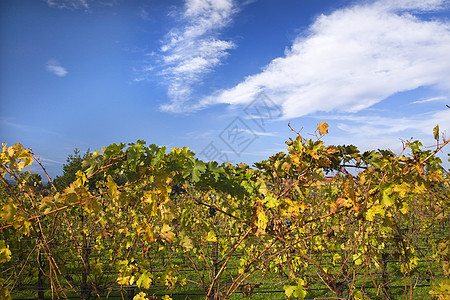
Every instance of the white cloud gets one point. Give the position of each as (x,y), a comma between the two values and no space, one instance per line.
(411,5)
(50,161)
(68,4)
(54,67)
(193,48)
(433,99)
(384,126)
(353,58)
(144,14)
(79,4)
(258,133)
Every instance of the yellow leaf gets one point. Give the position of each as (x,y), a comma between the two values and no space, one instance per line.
(374,210)
(123,280)
(262,220)
(185,241)
(149,237)
(211,237)
(322,128)
(112,188)
(5,253)
(140,296)
(167,234)
(144,280)
(81,177)
(357,259)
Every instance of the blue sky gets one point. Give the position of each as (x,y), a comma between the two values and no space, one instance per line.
(222,77)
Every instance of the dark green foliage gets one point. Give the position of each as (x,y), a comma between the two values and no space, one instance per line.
(73,165)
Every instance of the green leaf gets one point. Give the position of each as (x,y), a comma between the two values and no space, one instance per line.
(271,201)
(441,289)
(186,241)
(9,212)
(373,158)
(298,291)
(386,199)
(436,132)
(112,188)
(262,187)
(144,280)
(289,290)
(402,189)
(159,156)
(193,169)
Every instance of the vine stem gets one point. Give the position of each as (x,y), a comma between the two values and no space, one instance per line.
(246,269)
(219,210)
(227,259)
(43,169)
(436,151)
(311,261)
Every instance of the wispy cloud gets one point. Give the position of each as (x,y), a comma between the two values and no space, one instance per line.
(255,132)
(143,14)
(193,48)
(372,126)
(68,4)
(370,131)
(353,58)
(53,66)
(79,4)
(13,126)
(50,161)
(433,99)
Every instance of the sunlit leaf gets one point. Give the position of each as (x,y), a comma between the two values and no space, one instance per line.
(436,132)
(144,280)
(322,127)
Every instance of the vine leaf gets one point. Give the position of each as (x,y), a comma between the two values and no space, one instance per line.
(210,237)
(378,209)
(185,241)
(271,201)
(359,296)
(194,169)
(322,127)
(436,132)
(298,291)
(5,253)
(140,296)
(144,280)
(167,233)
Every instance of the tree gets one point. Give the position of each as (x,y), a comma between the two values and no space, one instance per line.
(74,164)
